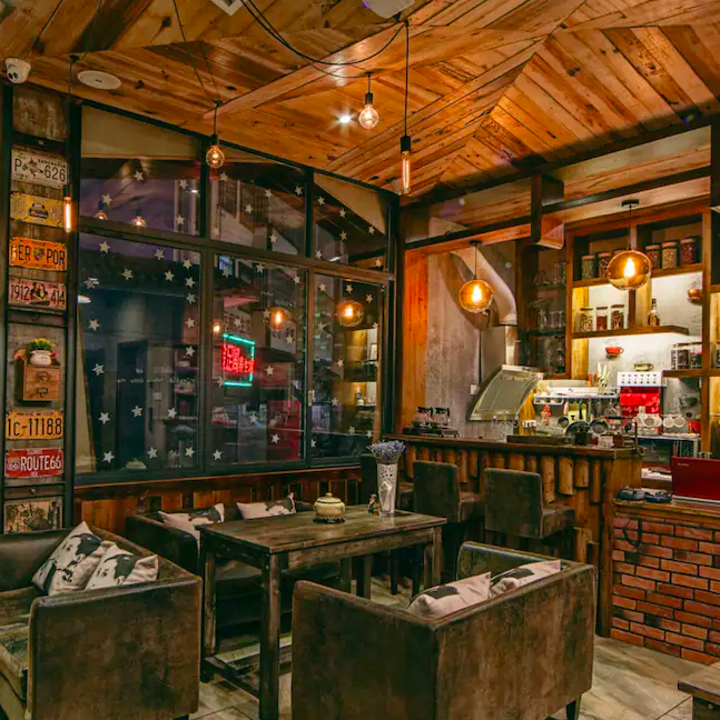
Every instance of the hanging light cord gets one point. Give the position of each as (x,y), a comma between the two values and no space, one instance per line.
(407,71)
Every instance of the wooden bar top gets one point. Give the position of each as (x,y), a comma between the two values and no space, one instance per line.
(537,448)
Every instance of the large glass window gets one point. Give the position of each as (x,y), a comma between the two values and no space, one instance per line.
(138,356)
(258,365)
(346,363)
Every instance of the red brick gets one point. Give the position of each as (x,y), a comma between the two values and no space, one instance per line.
(666,624)
(693,557)
(679,567)
(623,602)
(707,597)
(631,615)
(652,562)
(696,632)
(658,610)
(689,581)
(679,543)
(618,555)
(651,538)
(667,600)
(711,573)
(717,536)
(662,647)
(712,648)
(659,575)
(659,528)
(714,636)
(621,567)
(620,623)
(676,591)
(656,551)
(711,548)
(642,583)
(694,532)
(698,657)
(702,609)
(635,593)
(627,637)
(682,640)
(693,619)
(714,586)
(650,631)
(630,535)
(621,522)
(624,545)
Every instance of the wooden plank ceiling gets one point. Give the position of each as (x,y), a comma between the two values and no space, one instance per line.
(496,86)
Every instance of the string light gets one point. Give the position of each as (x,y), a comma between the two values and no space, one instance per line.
(139,220)
(369,116)
(215,157)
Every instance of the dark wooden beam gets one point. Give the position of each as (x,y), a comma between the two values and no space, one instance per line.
(715,165)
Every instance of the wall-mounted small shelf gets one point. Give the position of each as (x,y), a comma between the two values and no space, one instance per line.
(645,330)
(696,372)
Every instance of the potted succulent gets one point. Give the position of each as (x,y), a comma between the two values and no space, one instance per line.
(387,456)
(41,352)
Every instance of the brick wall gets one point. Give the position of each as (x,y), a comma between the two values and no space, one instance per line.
(666,585)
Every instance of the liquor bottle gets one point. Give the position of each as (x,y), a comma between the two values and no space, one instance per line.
(653,317)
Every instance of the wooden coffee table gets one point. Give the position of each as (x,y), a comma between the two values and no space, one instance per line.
(296,541)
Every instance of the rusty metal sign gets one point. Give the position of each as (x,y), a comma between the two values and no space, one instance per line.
(37,294)
(39,169)
(38,254)
(34,425)
(36,209)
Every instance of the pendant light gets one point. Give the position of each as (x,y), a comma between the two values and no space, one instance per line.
(278,318)
(350,313)
(139,220)
(67,209)
(476,295)
(369,117)
(629,269)
(101,214)
(405,140)
(215,157)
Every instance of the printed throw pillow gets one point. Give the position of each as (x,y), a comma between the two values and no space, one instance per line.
(72,563)
(189,522)
(446,599)
(120,567)
(523,575)
(271,508)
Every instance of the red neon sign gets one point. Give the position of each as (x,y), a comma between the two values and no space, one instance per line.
(235,361)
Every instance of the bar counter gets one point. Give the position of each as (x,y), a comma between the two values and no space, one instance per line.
(585,478)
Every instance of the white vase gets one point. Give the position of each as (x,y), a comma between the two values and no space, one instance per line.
(41,358)
(387,488)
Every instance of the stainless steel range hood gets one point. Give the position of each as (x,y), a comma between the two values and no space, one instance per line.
(503,394)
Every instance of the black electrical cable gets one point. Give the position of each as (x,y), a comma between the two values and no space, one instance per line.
(407,71)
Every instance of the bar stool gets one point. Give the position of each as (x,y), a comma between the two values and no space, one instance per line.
(514,507)
(438,492)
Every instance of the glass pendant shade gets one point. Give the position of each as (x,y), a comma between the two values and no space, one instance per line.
(350,313)
(101,214)
(629,270)
(215,157)
(476,296)
(369,116)
(278,317)
(139,220)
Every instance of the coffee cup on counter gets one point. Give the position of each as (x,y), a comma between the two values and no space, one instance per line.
(613,351)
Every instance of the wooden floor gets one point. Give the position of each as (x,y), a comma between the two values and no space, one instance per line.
(630,683)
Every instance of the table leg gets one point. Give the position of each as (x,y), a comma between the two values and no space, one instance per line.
(437,556)
(208,565)
(418,564)
(270,641)
(364,577)
(346,575)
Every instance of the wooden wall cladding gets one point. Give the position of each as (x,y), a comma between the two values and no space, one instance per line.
(584,479)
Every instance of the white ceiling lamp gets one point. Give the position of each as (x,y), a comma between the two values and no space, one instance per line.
(99,80)
(386,8)
(229,6)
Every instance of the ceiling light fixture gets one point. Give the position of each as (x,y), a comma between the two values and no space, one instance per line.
(215,157)
(369,117)
(476,294)
(278,317)
(406,140)
(629,269)
(345,119)
(99,80)
(139,220)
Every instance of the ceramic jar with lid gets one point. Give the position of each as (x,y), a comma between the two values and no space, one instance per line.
(617,317)
(601,318)
(603,260)
(670,254)
(329,509)
(587,267)
(654,253)
(585,320)
(688,251)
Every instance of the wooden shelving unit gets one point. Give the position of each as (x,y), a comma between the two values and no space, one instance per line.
(644,330)
(694,373)
(668,272)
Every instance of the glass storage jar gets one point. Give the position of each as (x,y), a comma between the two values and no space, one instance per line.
(601,318)
(680,356)
(585,320)
(617,317)
(669,254)
(587,267)
(653,252)
(688,251)
(603,260)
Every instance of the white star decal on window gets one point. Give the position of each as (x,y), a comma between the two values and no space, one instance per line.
(94,325)
(108,457)
(179,220)
(187,264)
(152,453)
(269,370)
(183,184)
(298,190)
(127,274)
(98,370)
(266,313)
(321,200)
(275,439)
(224,176)
(273,237)
(369,433)
(91,283)
(349,288)
(190,323)
(340,363)
(296,279)
(335,401)
(189,452)
(189,282)
(137,411)
(190,351)
(160,254)
(322,287)
(318,254)
(343,212)
(369,299)
(104,247)
(169,276)
(351,430)
(172,413)
(313,443)
(191,298)
(343,236)
(107,200)
(104,418)
(226,272)
(249,209)
(237,322)
(268,193)
(216,232)
(321,326)
(252,417)
(217,455)
(371,230)
(139,176)
(220,382)
(378,263)
(259,267)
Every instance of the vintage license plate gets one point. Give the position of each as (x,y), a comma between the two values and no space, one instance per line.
(35,209)
(34,462)
(37,293)
(38,254)
(39,169)
(34,425)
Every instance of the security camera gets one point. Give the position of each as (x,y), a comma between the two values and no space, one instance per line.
(17,70)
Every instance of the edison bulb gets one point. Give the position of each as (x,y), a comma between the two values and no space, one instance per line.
(629,270)
(369,117)
(101,215)
(215,157)
(217,328)
(278,317)
(406,161)
(67,213)
(350,313)
(476,296)
(139,220)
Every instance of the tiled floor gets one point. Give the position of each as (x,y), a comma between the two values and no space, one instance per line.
(630,683)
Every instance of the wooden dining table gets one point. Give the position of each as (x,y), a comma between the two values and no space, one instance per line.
(297,541)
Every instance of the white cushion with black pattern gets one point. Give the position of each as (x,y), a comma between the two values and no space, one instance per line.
(271,508)
(189,522)
(72,563)
(120,567)
(523,575)
(446,599)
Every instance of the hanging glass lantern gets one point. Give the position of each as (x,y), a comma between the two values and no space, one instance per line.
(278,318)
(350,313)
(476,295)
(629,270)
